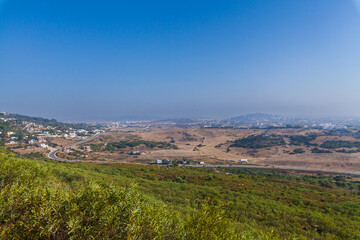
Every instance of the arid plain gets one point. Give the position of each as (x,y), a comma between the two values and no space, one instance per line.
(216,145)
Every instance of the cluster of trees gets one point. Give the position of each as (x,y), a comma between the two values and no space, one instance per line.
(348,151)
(111,146)
(340,144)
(319,150)
(265,141)
(298,140)
(339,132)
(259,141)
(75,153)
(188,137)
(298,151)
(97,147)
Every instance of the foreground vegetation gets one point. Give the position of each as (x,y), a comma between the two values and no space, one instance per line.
(50,200)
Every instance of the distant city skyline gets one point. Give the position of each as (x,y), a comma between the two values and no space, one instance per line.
(90,60)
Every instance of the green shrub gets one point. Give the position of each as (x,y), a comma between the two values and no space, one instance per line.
(52,200)
(340,144)
(259,141)
(318,150)
(298,151)
(38,202)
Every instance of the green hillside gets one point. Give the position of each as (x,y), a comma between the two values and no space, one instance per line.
(42,199)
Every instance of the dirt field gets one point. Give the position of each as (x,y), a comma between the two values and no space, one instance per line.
(27,150)
(61,141)
(211,146)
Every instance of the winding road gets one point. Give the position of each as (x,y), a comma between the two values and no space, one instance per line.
(53,156)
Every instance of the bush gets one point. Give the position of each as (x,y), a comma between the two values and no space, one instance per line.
(318,150)
(208,222)
(298,151)
(35,203)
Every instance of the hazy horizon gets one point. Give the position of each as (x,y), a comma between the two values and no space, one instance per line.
(100,119)
(90,60)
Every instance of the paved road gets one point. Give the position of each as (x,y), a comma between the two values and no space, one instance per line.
(273,167)
(53,156)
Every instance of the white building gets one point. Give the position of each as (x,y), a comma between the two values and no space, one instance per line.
(43,145)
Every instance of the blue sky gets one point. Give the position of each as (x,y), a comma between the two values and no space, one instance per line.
(93,60)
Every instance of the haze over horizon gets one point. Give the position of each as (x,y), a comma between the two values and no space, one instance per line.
(90,60)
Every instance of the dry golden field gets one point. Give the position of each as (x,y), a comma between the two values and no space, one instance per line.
(26,150)
(211,146)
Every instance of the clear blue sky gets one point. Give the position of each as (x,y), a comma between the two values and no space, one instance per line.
(85,60)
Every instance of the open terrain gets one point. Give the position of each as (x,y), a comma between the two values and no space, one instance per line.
(288,147)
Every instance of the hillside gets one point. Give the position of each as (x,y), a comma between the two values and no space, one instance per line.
(51,200)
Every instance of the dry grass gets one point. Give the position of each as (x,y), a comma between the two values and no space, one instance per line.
(188,139)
